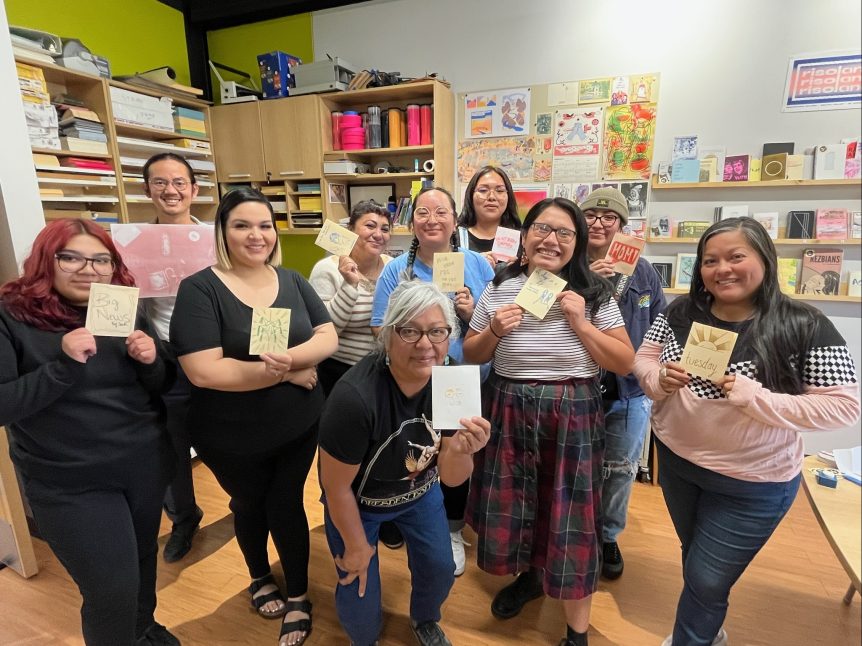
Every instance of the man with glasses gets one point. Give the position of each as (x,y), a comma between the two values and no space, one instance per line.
(170,183)
(627,409)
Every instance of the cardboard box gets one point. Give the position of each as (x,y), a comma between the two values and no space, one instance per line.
(276,76)
(142,110)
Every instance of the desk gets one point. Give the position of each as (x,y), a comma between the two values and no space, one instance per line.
(838,511)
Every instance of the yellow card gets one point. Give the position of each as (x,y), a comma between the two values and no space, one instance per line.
(624,253)
(270,328)
(539,292)
(707,351)
(111,310)
(335,239)
(448,271)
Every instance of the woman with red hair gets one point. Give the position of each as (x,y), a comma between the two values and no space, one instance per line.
(86,430)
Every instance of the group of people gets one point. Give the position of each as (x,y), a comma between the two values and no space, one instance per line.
(543,476)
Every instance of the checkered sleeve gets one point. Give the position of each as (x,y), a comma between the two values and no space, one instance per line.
(659,331)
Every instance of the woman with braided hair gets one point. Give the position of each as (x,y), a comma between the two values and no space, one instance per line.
(434,224)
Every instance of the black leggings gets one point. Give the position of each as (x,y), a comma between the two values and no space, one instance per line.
(266,497)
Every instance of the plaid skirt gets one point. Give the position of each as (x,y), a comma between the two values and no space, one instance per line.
(535,494)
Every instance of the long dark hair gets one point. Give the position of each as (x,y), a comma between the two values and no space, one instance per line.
(781,330)
(407,274)
(509,219)
(594,289)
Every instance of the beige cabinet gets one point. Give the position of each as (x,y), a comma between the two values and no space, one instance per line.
(238,143)
(290,129)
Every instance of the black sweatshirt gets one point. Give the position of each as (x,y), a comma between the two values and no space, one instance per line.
(77,423)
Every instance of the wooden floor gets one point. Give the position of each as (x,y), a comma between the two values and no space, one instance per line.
(791,594)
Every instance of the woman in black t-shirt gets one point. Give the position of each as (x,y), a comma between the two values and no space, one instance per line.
(381,459)
(254,417)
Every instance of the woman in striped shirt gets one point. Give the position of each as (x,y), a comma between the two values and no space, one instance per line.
(346,286)
(547,433)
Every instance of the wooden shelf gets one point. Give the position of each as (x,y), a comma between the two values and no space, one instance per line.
(70,153)
(377,152)
(778,241)
(109,181)
(391,93)
(372,178)
(779,183)
(108,199)
(154,133)
(156,146)
(72,169)
(159,93)
(302,193)
(841,298)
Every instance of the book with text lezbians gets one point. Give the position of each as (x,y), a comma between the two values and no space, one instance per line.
(821,271)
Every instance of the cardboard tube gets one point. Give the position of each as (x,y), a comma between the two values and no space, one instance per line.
(428,166)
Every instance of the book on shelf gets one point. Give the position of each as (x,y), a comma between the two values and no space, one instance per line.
(736,168)
(664,271)
(800,225)
(829,160)
(776,148)
(636,227)
(773,167)
(685,263)
(73,113)
(44,159)
(201,164)
(853,160)
(88,135)
(685,171)
(96,216)
(74,144)
(691,228)
(661,227)
(788,274)
(821,271)
(754,170)
(855,220)
(718,153)
(308,187)
(734,211)
(684,147)
(663,173)
(85,162)
(795,167)
(708,170)
(854,283)
(310,203)
(769,221)
(831,224)
(191,144)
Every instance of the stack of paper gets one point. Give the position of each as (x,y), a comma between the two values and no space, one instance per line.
(42,126)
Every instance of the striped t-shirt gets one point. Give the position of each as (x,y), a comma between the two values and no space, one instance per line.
(547,349)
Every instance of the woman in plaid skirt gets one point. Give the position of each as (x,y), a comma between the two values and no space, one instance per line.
(545,408)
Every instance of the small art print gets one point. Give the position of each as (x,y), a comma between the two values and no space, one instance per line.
(736,168)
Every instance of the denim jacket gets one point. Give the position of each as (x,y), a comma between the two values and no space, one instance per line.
(641,302)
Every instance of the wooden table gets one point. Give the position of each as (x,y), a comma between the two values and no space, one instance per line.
(839,512)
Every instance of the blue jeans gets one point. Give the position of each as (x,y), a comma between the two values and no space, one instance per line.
(429,558)
(722,523)
(626,422)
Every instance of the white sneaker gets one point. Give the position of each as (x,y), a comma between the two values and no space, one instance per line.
(458,554)
(720,639)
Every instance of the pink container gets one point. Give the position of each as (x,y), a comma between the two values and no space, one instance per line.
(413,136)
(351,121)
(425,118)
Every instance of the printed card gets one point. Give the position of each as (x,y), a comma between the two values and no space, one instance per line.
(506,243)
(624,253)
(336,239)
(111,310)
(455,393)
(448,271)
(707,351)
(270,329)
(539,292)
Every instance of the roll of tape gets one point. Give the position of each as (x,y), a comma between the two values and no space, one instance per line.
(428,166)
(382,167)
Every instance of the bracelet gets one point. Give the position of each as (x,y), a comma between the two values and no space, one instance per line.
(491,327)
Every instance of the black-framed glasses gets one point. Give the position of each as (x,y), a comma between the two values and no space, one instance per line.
(607,220)
(543,230)
(160,184)
(423,215)
(485,191)
(72,263)
(413,335)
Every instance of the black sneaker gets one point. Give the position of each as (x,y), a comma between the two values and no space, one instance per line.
(429,633)
(157,635)
(180,542)
(612,561)
(514,596)
(390,535)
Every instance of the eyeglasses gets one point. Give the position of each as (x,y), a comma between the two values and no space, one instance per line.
(607,219)
(72,263)
(160,184)
(423,215)
(485,191)
(543,230)
(412,334)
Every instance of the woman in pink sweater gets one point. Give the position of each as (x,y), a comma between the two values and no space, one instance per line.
(730,451)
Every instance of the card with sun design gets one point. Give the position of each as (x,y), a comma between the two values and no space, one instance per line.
(707,351)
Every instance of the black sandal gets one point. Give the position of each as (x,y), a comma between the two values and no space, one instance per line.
(260,601)
(303,625)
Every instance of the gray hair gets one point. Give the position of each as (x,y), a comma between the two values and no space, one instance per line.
(410,299)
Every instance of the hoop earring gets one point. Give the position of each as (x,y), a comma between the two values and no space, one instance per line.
(446,360)
(524,260)
(386,360)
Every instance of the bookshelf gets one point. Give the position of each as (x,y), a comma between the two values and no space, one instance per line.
(778,183)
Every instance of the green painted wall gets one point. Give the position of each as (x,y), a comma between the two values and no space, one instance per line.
(300,253)
(238,47)
(134,35)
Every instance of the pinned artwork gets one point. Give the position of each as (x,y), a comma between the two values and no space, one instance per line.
(620,90)
(544,121)
(539,292)
(336,239)
(111,310)
(636,197)
(448,271)
(707,351)
(497,113)
(643,88)
(514,155)
(270,330)
(594,91)
(628,141)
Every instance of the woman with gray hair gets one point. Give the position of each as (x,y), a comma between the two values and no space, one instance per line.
(381,460)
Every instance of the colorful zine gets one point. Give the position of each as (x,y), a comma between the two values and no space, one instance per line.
(788,274)
(539,292)
(455,394)
(684,147)
(773,167)
(448,271)
(506,242)
(736,168)
(270,330)
(624,253)
(685,171)
(707,351)
(821,271)
(831,224)
(111,310)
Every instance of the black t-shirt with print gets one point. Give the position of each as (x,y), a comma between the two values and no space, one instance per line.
(368,421)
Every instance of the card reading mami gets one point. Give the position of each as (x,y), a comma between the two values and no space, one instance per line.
(707,351)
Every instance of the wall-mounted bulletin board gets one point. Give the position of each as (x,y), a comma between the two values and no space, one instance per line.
(564,139)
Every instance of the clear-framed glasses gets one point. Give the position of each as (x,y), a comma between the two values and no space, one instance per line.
(485,191)
(423,215)
(160,183)
(412,334)
(72,263)
(543,230)
(607,220)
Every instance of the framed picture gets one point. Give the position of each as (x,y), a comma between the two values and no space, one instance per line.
(684,270)
(337,194)
(380,193)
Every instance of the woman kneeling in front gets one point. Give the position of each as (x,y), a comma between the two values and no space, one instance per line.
(380,460)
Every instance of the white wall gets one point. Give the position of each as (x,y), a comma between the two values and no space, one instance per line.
(723,67)
(20,209)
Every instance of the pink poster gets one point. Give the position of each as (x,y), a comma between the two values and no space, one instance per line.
(161,255)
